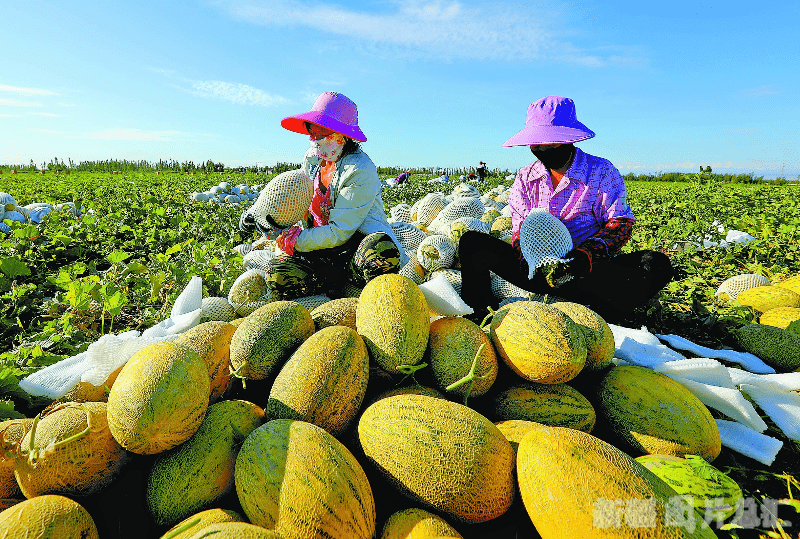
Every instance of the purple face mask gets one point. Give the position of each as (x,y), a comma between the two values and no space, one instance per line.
(555,158)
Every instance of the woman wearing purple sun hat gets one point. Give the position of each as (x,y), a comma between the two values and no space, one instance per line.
(346,237)
(587,194)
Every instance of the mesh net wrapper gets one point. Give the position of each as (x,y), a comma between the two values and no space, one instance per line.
(543,240)
(408,235)
(733,286)
(436,252)
(283,201)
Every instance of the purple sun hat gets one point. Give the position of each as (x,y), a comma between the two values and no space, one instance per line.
(551,120)
(331,110)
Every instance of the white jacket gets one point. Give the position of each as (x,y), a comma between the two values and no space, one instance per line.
(356,204)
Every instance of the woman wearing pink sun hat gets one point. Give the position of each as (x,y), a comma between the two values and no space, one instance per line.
(588,195)
(346,237)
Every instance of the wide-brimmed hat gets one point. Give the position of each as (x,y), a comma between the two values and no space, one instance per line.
(331,110)
(551,120)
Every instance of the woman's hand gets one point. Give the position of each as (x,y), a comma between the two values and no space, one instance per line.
(579,265)
(287,239)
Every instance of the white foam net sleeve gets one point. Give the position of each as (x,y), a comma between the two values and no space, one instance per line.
(543,239)
(412,269)
(401,213)
(217,308)
(442,298)
(460,207)
(408,235)
(283,201)
(436,252)
(733,286)
(461,225)
(429,208)
(503,289)
(312,302)
(258,259)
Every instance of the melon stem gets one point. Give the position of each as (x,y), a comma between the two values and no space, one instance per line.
(409,370)
(469,377)
(180,530)
(486,318)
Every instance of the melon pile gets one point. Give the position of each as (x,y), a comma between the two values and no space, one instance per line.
(225,193)
(363,418)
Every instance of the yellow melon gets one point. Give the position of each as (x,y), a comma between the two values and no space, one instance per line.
(267,337)
(393,318)
(764,298)
(416,523)
(596,333)
(574,485)
(539,342)
(191,525)
(453,345)
(556,405)
(12,432)
(69,450)
(235,530)
(341,312)
(780,317)
(47,517)
(515,430)
(86,392)
(212,340)
(159,399)
(199,472)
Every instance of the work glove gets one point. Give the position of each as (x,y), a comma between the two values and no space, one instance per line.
(288,239)
(576,264)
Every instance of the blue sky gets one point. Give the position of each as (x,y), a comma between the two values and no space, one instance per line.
(666,86)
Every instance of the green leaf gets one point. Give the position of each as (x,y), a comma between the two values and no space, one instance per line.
(7,411)
(78,296)
(136,267)
(13,267)
(117,256)
(174,249)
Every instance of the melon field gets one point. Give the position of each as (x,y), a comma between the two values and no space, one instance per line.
(129,243)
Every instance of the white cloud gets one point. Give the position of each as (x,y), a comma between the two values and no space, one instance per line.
(119,133)
(435,29)
(47,131)
(15,103)
(25,91)
(241,94)
(760,91)
(48,114)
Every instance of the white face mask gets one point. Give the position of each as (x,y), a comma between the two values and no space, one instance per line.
(329,148)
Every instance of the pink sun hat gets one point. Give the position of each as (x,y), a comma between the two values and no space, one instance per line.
(331,110)
(551,120)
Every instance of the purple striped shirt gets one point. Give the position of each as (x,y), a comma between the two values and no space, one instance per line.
(591,193)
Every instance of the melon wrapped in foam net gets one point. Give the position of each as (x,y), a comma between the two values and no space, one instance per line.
(217,308)
(543,240)
(401,213)
(459,226)
(429,207)
(249,292)
(460,207)
(436,252)
(282,202)
(733,286)
(259,259)
(312,302)
(408,235)
(412,269)
(465,190)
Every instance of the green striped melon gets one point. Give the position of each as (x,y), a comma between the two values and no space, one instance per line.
(69,450)
(779,348)
(575,486)
(416,523)
(295,478)
(709,489)
(159,398)
(557,405)
(650,412)
(235,530)
(453,345)
(324,381)
(596,333)
(393,318)
(337,312)
(191,525)
(267,337)
(441,454)
(780,317)
(539,342)
(764,298)
(199,472)
(47,517)
(212,340)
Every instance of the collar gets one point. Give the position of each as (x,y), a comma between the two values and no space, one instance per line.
(577,170)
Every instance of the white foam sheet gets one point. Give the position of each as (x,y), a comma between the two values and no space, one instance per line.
(110,352)
(704,370)
(641,336)
(190,299)
(782,407)
(748,442)
(645,355)
(788,381)
(442,297)
(729,401)
(57,379)
(747,360)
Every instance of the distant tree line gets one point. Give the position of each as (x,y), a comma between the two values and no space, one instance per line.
(117,165)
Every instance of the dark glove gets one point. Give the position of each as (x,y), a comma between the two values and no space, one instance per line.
(577,265)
